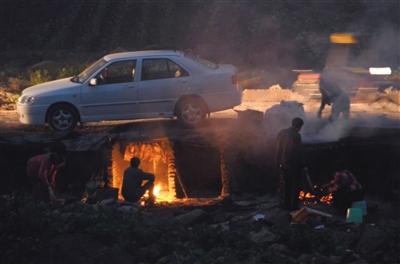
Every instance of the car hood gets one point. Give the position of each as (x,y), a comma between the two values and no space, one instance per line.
(52,86)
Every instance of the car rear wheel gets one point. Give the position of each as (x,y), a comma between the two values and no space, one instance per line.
(191,112)
(62,117)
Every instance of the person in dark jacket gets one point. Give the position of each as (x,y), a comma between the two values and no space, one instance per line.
(288,158)
(132,186)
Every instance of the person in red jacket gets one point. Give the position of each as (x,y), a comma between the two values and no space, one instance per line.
(42,170)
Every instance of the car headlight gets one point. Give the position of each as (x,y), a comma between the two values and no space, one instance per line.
(26,99)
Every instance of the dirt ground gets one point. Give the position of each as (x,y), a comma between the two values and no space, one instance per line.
(377,113)
(245,228)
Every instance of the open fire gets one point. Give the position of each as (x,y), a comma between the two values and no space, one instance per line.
(312,199)
(183,171)
(156,158)
(160,195)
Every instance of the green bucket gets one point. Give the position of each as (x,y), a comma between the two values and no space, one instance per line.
(362,205)
(354,215)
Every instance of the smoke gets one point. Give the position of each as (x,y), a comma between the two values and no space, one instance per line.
(280,116)
(316,130)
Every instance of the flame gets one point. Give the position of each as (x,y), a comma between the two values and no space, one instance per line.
(157,190)
(328,199)
(159,193)
(303,195)
(309,198)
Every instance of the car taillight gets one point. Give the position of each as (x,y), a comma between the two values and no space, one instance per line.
(235,79)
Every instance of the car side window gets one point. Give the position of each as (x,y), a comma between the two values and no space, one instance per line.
(175,70)
(154,69)
(118,72)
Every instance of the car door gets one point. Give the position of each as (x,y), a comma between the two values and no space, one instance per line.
(115,94)
(162,82)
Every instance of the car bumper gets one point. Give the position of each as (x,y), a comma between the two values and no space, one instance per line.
(31,114)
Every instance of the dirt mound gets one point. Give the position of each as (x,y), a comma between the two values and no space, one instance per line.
(274,93)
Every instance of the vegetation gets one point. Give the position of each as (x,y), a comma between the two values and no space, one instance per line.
(272,34)
(283,33)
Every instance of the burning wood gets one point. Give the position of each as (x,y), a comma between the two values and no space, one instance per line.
(312,199)
(161,194)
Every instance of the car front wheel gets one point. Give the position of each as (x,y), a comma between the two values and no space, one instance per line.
(62,117)
(191,112)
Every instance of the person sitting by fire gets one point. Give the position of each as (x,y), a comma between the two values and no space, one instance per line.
(42,171)
(345,189)
(132,186)
(288,158)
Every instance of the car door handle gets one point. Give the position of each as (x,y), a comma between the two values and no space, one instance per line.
(131,86)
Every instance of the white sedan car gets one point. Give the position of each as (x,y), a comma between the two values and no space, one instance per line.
(133,85)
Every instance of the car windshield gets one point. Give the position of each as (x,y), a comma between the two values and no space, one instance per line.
(203,62)
(83,76)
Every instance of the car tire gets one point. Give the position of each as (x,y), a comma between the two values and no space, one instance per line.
(191,112)
(62,118)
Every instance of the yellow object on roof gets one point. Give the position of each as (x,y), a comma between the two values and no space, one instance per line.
(343,38)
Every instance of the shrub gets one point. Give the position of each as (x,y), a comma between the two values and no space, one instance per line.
(67,71)
(39,76)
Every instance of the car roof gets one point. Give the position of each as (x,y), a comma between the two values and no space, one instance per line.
(144,53)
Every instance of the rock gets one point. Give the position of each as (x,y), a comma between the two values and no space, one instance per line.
(223,226)
(304,259)
(279,248)
(158,219)
(222,217)
(108,202)
(245,203)
(78,248)
(190,217)
(163,260)
(372,240)
(128,209)
(320,259)
(114,255)
(262,236)
(335,259)
(279,217)
(259,217)
(359,261)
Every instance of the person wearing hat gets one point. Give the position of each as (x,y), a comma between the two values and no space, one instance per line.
(42,171)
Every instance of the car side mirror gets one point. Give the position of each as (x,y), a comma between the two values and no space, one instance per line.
(93,82)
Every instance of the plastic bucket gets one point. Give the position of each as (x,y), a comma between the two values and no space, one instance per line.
(354,215)
(362,205)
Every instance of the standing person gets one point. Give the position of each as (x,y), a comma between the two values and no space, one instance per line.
(132,186)
(42,170)
(288,157)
